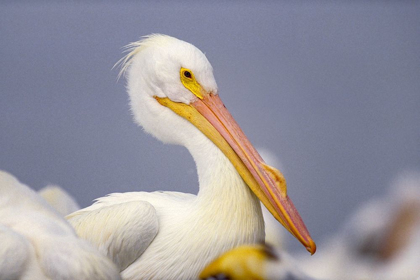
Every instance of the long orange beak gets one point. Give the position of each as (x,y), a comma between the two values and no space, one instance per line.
(210,116)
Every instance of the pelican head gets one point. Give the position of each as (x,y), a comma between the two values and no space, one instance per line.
(173,96)
(161,67)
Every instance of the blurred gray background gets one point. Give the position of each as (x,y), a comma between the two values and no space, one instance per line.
(331,88)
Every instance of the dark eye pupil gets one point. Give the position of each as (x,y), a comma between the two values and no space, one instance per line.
(187,74)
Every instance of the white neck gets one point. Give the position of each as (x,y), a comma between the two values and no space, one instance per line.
(216,175)
(222,190)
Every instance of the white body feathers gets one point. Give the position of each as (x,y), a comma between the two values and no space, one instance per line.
(190,230)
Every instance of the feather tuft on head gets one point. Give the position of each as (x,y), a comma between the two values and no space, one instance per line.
(135,47)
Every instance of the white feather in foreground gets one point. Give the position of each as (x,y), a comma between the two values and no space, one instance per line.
(36,242)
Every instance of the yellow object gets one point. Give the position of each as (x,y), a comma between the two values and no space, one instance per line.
(245,262)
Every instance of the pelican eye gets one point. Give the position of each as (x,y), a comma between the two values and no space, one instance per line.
(187,74)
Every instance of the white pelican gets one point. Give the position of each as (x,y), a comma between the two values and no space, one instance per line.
(59,199)
(171,235)
(37,243)
(256,261)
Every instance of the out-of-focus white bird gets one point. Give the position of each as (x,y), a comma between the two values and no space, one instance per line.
(253,262)
(380,241)
(36,242)
(59,199)
(18,259)
(171,235)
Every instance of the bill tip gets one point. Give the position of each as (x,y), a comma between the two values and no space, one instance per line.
(311,247)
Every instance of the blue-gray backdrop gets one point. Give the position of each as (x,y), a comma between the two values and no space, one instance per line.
(330,87)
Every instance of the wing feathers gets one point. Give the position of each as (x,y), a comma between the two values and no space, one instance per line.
(122,231)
